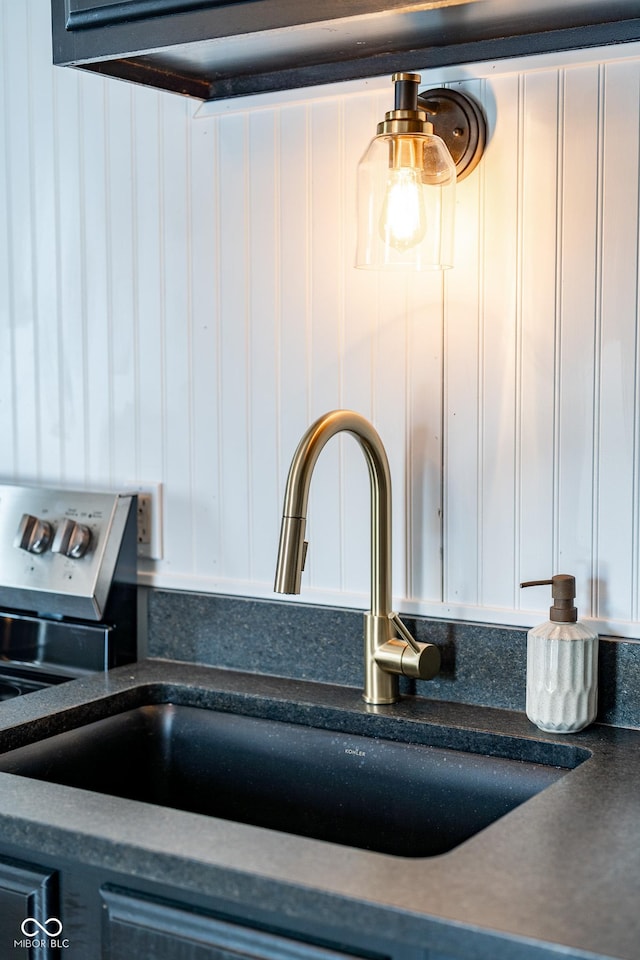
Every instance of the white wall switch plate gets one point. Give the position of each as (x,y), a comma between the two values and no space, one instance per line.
(149,518)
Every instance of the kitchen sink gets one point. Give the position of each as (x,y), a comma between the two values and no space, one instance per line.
(404,799)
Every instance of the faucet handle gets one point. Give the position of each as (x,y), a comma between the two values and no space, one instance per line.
(406,655)
(406,634)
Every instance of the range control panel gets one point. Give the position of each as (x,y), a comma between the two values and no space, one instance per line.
(35,536)
(59,548)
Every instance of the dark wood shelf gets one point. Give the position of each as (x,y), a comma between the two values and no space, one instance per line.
(213,50)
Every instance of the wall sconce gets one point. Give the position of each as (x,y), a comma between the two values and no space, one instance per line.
(407,177)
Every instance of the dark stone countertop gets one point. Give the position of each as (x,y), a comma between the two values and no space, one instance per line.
(559,875)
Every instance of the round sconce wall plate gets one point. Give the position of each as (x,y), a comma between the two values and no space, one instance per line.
(458,120)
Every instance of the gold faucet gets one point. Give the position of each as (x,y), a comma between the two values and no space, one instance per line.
(386,655)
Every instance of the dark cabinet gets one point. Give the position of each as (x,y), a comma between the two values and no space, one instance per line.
(212,49)
(87,912)
(136,927)
(29,910)
(90,13)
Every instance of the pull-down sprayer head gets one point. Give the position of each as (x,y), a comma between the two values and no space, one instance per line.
(291,555)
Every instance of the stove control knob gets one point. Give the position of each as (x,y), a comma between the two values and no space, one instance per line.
(34,535)
(72,539)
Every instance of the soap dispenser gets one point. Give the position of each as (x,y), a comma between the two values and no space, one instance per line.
(562,664)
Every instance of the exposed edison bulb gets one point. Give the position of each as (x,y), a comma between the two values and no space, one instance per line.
(403,220)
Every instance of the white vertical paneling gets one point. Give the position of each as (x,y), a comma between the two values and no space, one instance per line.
(122,279)
(423,437)
(387,300)
(20,340)
(45,307)
(539,316)
(71,278)
(293,358)
(6,266)
(148,285)
(95,257)
(578,328)
(500,337)
(234,305)
(294,321)
(462,390)
(178,303)
(175,146)
(205,359)
(412,313)
(264,284)
(615,496)
(42,226)
(325,524)
(358,369)
(6,306)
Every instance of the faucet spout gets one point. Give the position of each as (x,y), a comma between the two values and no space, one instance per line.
(291,553)
(386,655)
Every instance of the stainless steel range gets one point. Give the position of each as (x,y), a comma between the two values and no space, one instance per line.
(68,593)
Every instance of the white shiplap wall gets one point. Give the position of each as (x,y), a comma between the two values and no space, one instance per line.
(178,303)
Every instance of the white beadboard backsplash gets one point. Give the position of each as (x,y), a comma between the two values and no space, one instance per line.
(178,302)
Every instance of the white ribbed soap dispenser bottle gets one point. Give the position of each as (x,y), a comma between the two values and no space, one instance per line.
(562,664)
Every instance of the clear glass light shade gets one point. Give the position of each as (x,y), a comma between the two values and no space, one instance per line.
(406,203)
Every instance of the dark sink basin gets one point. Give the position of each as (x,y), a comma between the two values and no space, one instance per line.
(409,800)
